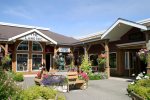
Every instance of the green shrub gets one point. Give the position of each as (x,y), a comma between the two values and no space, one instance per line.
(8,88)
(18,77)
(86,65)
(141,87)
(39,92)
(97,76)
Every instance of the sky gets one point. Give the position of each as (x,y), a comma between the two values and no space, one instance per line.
(74,18)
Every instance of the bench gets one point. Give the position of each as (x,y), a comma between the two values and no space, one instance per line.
(74,81)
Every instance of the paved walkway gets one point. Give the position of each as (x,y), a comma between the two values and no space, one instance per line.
(111,89)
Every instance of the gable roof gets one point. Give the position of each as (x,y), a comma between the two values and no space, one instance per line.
(10,32)
(120,27)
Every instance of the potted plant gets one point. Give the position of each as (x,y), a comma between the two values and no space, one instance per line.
(101,61)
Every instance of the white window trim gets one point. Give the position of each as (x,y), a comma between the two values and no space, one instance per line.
(31,31)
(22,50)
(40,45)
(32,60)
(27,62)
(128,64)
(116,60)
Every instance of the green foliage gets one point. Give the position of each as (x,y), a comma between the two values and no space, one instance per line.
(97,76)
(18,76)
(86,65)
(93,76)
(39,92)
(101,61)
(141,87)
(5,61)
(8,88)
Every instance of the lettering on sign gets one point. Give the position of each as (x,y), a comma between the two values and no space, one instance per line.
(65,50)
(33,37)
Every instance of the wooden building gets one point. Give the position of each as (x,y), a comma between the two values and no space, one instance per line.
(30,46)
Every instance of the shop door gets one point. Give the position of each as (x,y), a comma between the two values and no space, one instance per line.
(48,61)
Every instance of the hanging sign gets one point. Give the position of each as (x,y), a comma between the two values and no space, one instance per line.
(65,50)
(33,37)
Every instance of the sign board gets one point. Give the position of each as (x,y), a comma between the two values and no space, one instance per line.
(33,37)
(65,50)
(0,49)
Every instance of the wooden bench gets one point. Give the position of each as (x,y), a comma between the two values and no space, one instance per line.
(74,81)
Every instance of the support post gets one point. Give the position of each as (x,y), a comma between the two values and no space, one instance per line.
(107,70)
(85,52)
(6,49)
(55,53)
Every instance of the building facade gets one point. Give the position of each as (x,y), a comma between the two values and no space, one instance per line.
(30,47)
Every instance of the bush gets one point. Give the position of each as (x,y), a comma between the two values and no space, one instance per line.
(97,76)
(141,87)
(18,77)
(8,88)
(39,92)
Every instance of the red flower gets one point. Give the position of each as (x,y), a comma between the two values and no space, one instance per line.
(39,74)
(84,76)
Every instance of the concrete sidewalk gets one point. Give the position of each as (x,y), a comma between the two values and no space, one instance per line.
(110,89)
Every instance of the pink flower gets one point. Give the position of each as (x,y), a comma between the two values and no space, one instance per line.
(84,76)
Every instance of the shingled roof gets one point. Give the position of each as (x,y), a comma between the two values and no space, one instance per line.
(8,31)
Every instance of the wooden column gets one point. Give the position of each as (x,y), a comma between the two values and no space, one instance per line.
(72,51)
(6,49)
(30,57)
(86,49)
(55,53)
(107,59)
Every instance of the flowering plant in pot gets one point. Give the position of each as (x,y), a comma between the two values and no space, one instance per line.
(144,55)
(101,61)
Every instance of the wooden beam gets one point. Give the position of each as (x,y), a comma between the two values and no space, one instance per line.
(6,49)
(107,59)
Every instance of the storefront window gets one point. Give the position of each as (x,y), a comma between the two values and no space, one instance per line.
(36,46)
(93,59)
(22,62)
(36,61)
(23,45)
(112,60)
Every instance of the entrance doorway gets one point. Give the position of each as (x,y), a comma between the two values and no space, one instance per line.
(133,64)
(48,61)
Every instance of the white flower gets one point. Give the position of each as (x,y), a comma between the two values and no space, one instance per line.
(132,83)
(133,74)
(138,78)
(146,77)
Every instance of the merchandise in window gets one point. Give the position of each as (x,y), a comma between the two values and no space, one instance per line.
(22,62)
(36,61)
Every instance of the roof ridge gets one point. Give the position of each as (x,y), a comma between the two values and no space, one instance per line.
(23,26)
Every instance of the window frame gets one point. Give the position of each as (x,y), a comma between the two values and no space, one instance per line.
(32,61)
(40,46)
(27,62)
(19,45)
(116,59)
